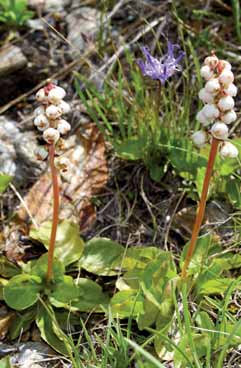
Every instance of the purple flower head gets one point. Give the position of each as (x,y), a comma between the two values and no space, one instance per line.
(163,68)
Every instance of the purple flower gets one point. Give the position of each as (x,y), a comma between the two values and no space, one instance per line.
(163,68)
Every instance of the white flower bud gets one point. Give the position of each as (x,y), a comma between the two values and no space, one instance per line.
(206,72)
(211,111)
(231,90)
(211,61)
(229,117)
(202,118)
(62,163)
(64,107)
(39,110)
(205,96)
(212,86)
(225,65)
(41,96)
(51,135)
(56,94)
(53,112)
(226,77)
(220,131)
(226,103)
(228,150)
(199,138)
(41,122)
(41,153)
(63,126)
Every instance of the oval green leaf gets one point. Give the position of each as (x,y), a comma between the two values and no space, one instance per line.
(68,246)
(22,291)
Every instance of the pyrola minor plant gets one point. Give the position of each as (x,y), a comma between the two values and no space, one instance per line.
(48,119)
(217,113)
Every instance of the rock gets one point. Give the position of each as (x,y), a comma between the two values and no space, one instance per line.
(35,24)
(17,152)
(30,355)
(11,59)
(48,5)
(82,21)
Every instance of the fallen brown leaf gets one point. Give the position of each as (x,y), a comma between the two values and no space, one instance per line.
(88,176)
(5,323)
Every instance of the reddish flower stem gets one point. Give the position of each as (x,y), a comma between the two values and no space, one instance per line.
(202,206)
(55,219)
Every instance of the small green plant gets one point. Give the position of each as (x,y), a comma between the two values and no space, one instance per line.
(14,12)
(26,288)
(139,123)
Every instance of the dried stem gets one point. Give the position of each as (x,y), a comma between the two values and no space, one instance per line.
(55,212)
(202,206)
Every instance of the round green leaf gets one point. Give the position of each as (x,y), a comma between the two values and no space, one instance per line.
(64,292)
(127,303)
(90,296)
(68,246)
(102,256)
(22,291)
(40,268)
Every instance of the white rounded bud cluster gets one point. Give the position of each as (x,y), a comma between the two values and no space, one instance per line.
(48,116)
(217,96)
(199,138)
(228,150)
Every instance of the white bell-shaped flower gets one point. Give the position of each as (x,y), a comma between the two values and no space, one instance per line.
(199,138)
(229,117)
(213,86)
(231,90)
(41,96)
(211,61)
(63,127)
(211,111)
(53,112)
(226,103)
(226,77)
(219,130)
(64,107)
(206,72)
(41,122)
(56,94)
(51,135)
(202,118)
(228,150)
(205,96)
